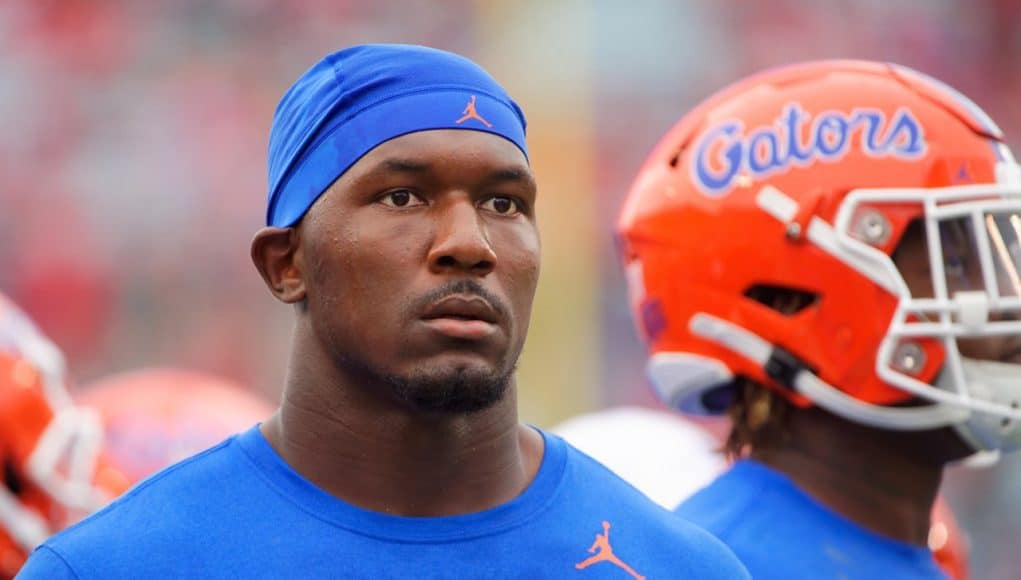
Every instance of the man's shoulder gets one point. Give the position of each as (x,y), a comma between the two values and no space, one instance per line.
(778,531)
(746,496)
(170,504)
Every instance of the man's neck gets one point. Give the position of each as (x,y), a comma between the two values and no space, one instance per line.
(859,473)
(380,455)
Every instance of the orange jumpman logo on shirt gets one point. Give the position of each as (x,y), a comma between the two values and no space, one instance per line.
(604,553)
(469,112)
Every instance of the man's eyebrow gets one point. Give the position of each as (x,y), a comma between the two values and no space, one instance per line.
(412,166)
(403,166)
(511,174)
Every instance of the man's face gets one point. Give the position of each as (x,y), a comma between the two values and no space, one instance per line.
(963,273)
(420,265)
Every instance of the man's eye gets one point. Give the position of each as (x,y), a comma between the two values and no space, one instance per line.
(401,198)
(502,205)
(954,266)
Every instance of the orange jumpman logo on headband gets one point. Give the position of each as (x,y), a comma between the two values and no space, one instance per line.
(604,553)
(469,112)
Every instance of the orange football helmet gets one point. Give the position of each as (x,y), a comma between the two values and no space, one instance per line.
(804,179)
(54,469)
(155,417)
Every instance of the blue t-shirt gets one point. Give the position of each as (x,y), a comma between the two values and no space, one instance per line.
(239,511)
(778,531)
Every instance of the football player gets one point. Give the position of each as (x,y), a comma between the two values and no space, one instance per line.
(829,254)
(401,229)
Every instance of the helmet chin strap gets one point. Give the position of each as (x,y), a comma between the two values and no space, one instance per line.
(788,371)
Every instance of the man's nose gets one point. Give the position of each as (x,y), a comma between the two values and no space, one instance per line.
(461,242)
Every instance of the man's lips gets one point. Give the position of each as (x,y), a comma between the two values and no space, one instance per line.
(460,306)
(467,317)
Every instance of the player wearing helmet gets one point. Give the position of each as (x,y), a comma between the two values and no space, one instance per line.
(53,467)
(829,253)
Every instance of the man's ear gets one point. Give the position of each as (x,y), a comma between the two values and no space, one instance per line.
(276,253)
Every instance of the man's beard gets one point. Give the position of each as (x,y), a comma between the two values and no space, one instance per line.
(455,391)
(441,390)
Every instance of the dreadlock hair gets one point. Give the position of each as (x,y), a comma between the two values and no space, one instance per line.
(756,414)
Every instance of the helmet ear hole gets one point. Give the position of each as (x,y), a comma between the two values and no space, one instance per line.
(785,300)
(718,399)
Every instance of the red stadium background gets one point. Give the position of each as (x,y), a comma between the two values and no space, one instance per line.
(132,164)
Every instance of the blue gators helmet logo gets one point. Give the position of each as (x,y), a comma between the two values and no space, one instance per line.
(724,151)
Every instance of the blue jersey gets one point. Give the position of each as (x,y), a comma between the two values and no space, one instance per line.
(779,532)
(239,511)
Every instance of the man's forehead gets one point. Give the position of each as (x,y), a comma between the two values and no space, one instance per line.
(427,151)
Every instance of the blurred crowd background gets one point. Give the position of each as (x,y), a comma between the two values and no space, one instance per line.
(133,173)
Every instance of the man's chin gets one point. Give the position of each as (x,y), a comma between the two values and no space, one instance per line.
(461,389)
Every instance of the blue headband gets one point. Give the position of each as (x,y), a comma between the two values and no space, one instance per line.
(357,98)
